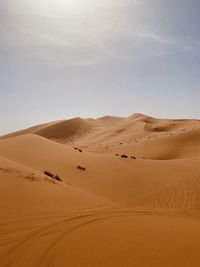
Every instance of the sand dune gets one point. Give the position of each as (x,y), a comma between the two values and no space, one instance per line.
(112,211)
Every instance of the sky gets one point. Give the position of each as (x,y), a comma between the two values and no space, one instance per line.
(89,58)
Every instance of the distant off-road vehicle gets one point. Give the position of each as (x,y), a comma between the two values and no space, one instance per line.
(81,168)
(124,156)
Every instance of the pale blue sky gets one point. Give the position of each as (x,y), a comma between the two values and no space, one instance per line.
(89,58)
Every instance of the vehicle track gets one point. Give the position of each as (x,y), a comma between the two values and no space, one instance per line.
(16,246)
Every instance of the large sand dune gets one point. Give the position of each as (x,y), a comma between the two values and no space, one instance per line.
(143,210)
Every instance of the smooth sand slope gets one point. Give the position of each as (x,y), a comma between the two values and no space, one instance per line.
(140,210)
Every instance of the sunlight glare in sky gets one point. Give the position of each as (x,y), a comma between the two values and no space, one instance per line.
(61,6)
(66,31)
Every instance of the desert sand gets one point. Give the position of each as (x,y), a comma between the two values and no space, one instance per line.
(142,209)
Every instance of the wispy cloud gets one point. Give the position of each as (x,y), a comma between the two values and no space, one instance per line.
(112,31)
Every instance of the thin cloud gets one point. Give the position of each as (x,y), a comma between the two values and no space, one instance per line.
(112,32)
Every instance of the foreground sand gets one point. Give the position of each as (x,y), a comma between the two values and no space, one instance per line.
(119,212)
